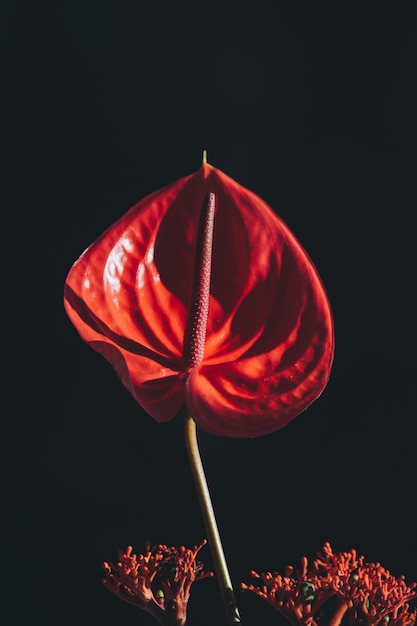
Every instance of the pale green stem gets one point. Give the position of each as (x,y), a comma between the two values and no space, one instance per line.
(213,536)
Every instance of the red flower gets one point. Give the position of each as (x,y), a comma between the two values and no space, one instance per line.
(364,592)
(232,322)
(157,581)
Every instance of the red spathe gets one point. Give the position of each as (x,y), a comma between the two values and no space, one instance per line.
(269,343)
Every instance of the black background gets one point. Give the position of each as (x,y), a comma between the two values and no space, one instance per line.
(314,107)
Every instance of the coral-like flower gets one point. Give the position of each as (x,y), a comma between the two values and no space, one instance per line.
(335,587)
(157,581)
(201,296)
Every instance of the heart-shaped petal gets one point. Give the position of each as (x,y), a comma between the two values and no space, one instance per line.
(268,346)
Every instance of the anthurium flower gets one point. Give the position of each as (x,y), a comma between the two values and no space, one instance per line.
(201,296)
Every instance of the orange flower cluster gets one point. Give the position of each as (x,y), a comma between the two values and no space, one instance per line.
(337,587)
(157,581)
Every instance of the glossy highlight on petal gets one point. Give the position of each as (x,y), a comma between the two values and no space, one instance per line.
(268,330)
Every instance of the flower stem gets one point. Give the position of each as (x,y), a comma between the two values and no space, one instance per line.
(338,614)
(212,531)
